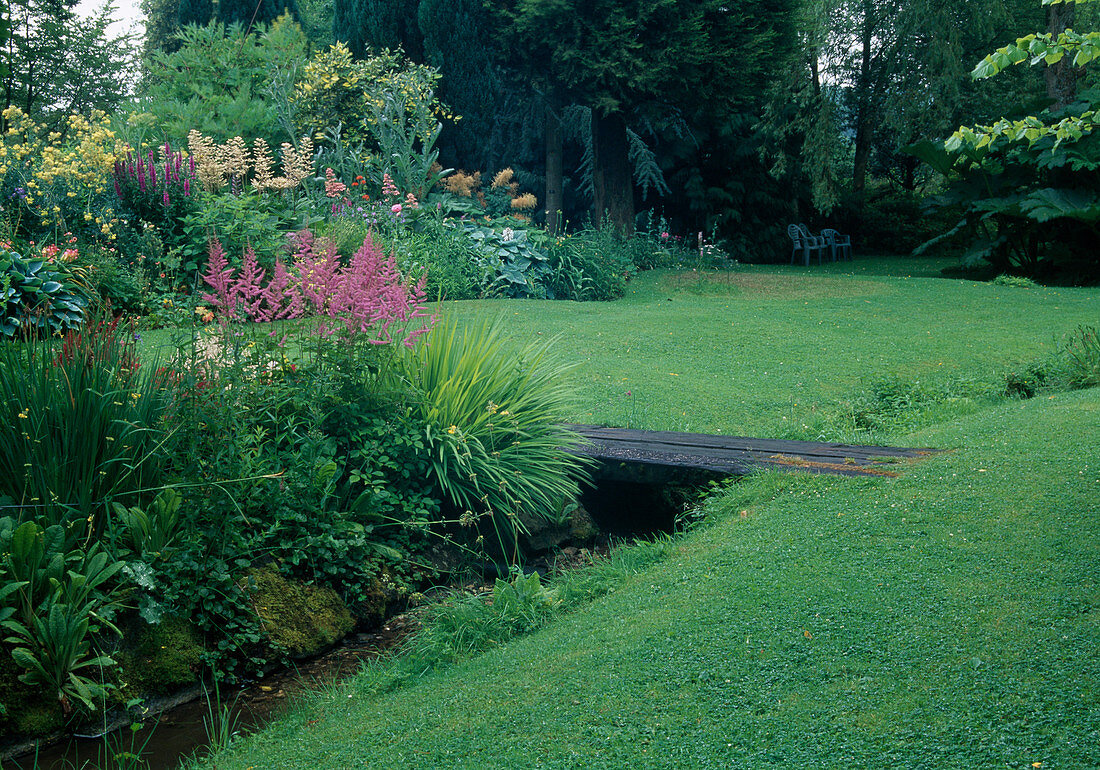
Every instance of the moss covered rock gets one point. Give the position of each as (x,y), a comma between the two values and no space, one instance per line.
(158,659)
(298,618)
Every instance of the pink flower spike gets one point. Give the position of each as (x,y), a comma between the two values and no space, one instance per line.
(247,287)
(219,276)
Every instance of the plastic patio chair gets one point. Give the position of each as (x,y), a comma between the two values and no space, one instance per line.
(802,241)
(838,242)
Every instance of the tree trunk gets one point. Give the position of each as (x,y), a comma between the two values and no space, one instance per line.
(612,177)
(554,170)
(1061,77)
(863,104)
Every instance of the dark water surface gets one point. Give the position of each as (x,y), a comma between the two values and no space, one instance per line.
(178,733)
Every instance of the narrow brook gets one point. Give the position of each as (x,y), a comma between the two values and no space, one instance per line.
(180,732)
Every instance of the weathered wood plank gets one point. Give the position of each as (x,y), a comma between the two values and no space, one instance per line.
(737,455)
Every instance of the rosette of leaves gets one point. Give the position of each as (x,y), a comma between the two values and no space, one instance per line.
(35,298)
(512,266)
(52,603)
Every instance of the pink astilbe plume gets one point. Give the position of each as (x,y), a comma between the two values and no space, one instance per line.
(372,296)
(281,298)
(219,277)
(318,276)
(248,287)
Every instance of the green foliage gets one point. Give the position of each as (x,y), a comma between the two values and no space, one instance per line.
(247,12)
(405,130)
(37,300)
(216,81)
(446,253)
(1082,348)
(896,404)
(337,90)
(1025,185)
(150,531)
(511,264)
(59,62)
(591,264)
(51,597)
(238,220)
(373,25)
(492,415)
(59,473)
(466,625)
(1017,281)
(305,461)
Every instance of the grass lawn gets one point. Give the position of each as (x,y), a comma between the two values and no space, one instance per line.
(776,352)
(949,617)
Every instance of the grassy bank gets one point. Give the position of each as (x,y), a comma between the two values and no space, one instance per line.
(945,618)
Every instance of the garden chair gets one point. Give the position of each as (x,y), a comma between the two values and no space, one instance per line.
(802,241)
(838,242)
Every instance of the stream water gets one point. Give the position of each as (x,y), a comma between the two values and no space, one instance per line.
(178,733)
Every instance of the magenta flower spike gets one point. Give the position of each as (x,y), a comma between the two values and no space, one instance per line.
(219,277)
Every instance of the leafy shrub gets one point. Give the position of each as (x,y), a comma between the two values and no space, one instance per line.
(217,81)
(446,254)
(1018,281)
(248,220)
(335,89)
(1027,380)
(59,182)
(49,597)
(114,280)
(36,298)
(492,417)
(589,265)
(511,264)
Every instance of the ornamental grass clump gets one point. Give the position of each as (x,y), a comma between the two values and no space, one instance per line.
(493,423)
(80,425)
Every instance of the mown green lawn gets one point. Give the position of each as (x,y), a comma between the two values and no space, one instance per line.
(949,617)
(766,350)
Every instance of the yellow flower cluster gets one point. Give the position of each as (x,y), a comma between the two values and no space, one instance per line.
(335,88)
(54,169)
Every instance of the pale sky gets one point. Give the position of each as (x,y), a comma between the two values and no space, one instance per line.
(127,14)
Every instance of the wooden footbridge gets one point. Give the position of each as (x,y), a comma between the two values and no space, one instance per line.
(661,456)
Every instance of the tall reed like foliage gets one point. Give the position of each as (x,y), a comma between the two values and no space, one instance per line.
(80,422)
(493,421)
(367,296)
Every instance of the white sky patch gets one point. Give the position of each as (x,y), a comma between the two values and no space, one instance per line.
(127,15)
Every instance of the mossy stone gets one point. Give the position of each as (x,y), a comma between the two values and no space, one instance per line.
(299,618)
(159,659)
